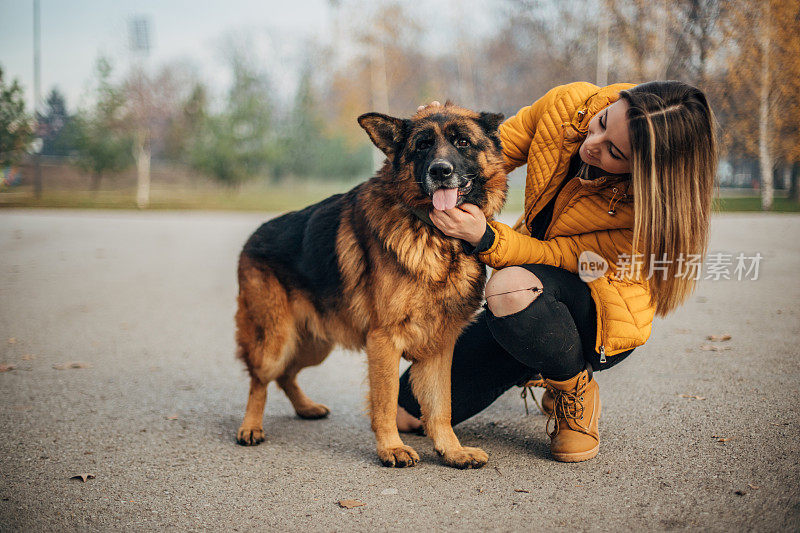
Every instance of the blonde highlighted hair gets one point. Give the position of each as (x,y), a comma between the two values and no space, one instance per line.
(673,166)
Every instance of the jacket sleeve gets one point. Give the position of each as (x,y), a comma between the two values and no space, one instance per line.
(517,132)
(512,248)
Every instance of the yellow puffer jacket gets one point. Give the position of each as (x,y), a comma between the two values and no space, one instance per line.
(589,215)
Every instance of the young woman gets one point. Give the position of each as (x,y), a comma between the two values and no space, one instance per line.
(622,172)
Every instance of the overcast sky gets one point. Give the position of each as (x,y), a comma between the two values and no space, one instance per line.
(75,32)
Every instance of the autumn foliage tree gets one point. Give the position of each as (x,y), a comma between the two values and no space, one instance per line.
(759,90)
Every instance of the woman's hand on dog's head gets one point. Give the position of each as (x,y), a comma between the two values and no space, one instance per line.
(432,104)
(466,222)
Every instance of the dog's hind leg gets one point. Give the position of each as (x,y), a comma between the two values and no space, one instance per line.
(251,431)
(265,334)
(430,381)
(309,352)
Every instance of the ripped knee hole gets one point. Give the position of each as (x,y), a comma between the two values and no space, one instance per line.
(533,289)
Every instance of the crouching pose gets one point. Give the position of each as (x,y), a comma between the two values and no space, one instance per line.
(617,202)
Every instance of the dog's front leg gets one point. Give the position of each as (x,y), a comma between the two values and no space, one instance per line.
(383,359)
(430,381)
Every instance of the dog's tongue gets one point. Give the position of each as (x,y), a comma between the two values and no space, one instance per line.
(445,199)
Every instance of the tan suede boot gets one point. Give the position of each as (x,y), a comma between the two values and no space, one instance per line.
(575,435)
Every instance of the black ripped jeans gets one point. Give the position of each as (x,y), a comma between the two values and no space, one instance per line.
(555,336)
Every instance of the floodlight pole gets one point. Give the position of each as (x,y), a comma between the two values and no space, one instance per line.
(37,95)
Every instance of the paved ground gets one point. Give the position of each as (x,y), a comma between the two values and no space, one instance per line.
(147,301)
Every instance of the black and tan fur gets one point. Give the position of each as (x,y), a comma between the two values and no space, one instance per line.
(361,270)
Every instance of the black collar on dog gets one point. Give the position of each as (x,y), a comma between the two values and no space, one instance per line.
(423,215)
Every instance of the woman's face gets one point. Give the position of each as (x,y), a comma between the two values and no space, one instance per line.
(607,144)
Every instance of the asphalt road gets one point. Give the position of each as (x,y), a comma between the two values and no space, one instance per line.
(691,439)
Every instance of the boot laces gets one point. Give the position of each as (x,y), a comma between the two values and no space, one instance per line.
(527,389)
(568,405)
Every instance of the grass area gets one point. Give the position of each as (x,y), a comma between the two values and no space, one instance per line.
(753,203)
(274,199)
(278,198)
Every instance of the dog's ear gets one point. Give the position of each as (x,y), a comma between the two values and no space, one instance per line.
(490,121)
(386,132)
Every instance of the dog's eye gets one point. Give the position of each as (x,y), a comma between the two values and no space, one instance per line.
(462,142)
(424,144)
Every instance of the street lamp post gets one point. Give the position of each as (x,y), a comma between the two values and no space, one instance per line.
(37,96)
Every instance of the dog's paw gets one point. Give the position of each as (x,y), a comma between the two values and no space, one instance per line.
(248,436)
(399,457)
(313,411)
(465,457)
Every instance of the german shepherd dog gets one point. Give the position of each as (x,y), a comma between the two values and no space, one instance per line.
(364,269)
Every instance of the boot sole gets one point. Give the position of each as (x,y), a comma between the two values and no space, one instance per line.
(577,457)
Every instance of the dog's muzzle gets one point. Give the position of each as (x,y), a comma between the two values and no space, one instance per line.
(446,188)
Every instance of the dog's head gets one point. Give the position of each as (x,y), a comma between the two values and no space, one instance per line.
(443,156)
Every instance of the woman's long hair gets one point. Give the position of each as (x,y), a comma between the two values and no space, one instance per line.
(674,163)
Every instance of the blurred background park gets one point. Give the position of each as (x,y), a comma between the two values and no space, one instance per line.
(249,105)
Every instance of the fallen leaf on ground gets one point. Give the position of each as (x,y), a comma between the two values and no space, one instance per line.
(28,357)
(349,504)
(754,487)
(779,423)
(6,368)
(719,338)
(83,477)
(713,348)
(172,417)
(692,397)
(12,340)
(522,490)
(72,364)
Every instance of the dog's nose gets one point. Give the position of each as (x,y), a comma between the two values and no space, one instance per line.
(440,169)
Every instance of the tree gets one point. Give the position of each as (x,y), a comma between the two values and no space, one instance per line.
(53,124)
(663,39)
(99,134)
(760,84)
(389,72)
(152,102)
(540,45)
(238,142)
(186,126)
(306,148)
(16,127)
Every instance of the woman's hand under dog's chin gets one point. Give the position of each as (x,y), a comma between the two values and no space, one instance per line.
(466,222)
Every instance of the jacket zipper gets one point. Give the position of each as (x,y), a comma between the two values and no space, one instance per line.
(555,169)
(602,332)
(561,202)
